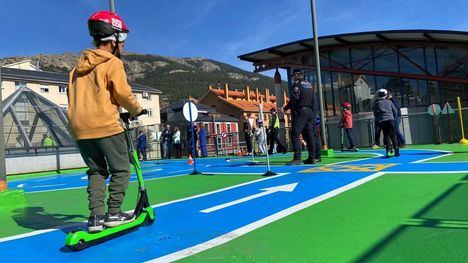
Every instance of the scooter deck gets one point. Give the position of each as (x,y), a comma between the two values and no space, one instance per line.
(81,239)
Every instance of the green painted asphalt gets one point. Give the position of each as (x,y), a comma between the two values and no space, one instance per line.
(56,208)
(460,151)
(13,177)
(394,218)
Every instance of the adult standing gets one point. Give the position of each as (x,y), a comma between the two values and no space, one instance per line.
(249,129)
(192,145)
(385,114)
(166,138)
(202,136)
(301,103)
(274,133)
(142,144)
(399,135)
(176,142)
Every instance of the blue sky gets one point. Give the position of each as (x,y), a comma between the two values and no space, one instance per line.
(216,29)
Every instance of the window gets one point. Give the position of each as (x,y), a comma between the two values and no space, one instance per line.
(44,89)
(218,128)
(412,60)
(415,92)
(149,96)
(20,84)
(385,60)
(62,89)
(145,94)
(150,112)
(228,127)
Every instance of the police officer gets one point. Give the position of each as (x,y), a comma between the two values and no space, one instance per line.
(303,106)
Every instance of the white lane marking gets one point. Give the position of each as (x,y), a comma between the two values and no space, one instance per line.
(47,185)
(219,190)
(443,154)
(178,171)
(266,191)
(43,180)
(84,178)
(20,185)
(38,232)
(428,172)
(262,222)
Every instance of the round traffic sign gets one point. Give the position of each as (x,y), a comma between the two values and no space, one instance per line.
(434,110)
(190,107)
(224,134)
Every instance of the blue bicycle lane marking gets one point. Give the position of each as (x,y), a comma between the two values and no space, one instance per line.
(181,225)
(76,180)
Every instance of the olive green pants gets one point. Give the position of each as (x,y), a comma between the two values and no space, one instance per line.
(104,157)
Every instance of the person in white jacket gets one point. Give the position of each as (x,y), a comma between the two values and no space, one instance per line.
(176,142)
(261,138)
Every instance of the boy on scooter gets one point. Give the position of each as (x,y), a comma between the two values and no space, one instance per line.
(97,88)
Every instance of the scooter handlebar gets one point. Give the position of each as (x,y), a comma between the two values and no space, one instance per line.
(126,117)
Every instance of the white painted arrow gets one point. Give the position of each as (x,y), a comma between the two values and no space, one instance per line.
(266,191)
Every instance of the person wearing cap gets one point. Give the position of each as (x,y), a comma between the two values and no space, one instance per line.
(274,133)
(347,124)
(385,114)
(303,106)
(97,89)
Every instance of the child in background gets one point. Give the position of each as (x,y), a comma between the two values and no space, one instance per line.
(347,124)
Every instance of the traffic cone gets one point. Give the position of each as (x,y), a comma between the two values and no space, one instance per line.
(190,160)
(239,152)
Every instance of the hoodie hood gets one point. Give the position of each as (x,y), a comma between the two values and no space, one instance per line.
(92,58)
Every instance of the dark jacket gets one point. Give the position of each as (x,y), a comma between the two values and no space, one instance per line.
(166,136)
(142,141)
(384,110)
(397,105)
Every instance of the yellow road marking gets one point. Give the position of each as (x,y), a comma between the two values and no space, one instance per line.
(349,168)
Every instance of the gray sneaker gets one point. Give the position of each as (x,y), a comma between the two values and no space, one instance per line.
(118,219)
(95,224)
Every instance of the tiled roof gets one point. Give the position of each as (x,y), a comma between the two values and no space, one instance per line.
(249,106)
(240,94)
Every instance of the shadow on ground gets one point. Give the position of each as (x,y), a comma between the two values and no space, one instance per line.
(36,218)
(437,233)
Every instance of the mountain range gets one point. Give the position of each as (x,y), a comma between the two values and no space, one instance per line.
(177,78)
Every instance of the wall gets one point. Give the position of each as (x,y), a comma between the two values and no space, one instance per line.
(16,165)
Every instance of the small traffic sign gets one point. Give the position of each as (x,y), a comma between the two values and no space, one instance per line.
(447,109)
(190,106)
(434,110)
(224,134)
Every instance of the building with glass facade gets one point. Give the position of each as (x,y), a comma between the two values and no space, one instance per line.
(419,67)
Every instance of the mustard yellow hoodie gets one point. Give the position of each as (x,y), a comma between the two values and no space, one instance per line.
(97,87)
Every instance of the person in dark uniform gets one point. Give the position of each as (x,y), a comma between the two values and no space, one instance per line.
(303,107)
(274,133)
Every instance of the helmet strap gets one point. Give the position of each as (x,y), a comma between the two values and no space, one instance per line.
(116,51)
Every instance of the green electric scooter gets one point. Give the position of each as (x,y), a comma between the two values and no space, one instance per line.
(144,213)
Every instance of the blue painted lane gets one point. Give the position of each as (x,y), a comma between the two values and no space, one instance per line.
(182,225)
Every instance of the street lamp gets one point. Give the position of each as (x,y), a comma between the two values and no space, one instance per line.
(319,76)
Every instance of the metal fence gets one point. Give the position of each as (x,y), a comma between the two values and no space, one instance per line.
(418,128)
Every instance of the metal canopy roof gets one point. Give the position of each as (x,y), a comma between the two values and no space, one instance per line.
(356,38)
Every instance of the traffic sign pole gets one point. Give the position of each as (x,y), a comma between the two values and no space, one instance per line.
(195,172)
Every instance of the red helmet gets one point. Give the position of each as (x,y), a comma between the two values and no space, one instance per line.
(346,105)
(104,25)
